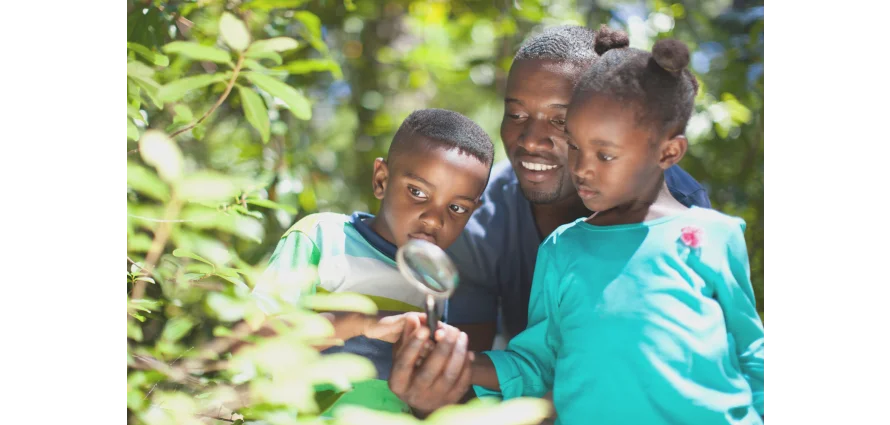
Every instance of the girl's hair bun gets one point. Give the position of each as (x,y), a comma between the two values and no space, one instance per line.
(607,39)
(670,54)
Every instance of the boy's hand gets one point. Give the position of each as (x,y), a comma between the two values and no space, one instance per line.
(389,328)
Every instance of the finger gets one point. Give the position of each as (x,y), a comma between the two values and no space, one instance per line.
(433,365)
(424,352)
(403,364)
(458,359)
(453,368)
(463,383)
(411,324)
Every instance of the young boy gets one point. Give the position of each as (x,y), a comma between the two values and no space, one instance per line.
(436,170)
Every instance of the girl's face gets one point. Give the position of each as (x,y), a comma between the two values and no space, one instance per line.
(610,156)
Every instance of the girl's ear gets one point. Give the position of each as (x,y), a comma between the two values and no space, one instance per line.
(672,151)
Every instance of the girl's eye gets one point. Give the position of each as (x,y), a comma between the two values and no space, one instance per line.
(559,121)
(606,157)
(416,192)
(458,209)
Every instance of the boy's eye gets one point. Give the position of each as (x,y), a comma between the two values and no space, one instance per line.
(605,157)
(458,209)
(572,146)
(559,121)
(416,192)
(516,116)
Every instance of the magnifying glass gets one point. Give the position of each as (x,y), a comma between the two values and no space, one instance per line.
(428,267)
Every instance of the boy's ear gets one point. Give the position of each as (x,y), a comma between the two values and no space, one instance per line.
(381,176)
(672,151)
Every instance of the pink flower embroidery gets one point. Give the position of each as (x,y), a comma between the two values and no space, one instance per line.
(692,236)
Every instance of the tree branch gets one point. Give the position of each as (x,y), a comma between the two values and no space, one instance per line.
(157,246)
(218,102)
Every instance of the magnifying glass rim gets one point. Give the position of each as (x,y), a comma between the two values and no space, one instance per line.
(436,254)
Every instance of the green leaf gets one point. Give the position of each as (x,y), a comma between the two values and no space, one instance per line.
(340,369)
(276,44)
(177,328)
(142,76)
(313,29)
(183,113)
(255,111)
(183,253)
(244,211)
(132,131)
(226,308)
(227,272)
(273,4)
(306,66)
(146,304)
(254,65)
(234,32)
(354,414)
(265,203)
(138,69)
(145,279)
(197,51)
(133,112)
(295,101)
(274,57)
(133,91)
(175,90)
(155,58)
(151,88)
(236,224)
(162,153)
(221,331)
(308,200)
(139,242)
(134,331)
(207,186)
(199,131)
(340,301)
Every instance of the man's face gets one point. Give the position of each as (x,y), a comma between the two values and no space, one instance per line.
(535,104)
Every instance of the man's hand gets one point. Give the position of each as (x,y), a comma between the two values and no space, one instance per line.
(428,382)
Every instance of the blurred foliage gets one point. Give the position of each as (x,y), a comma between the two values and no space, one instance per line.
(244,116)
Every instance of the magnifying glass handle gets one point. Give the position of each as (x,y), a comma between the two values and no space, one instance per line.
(432,317)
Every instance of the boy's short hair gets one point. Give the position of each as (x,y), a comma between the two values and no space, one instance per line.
(447,128)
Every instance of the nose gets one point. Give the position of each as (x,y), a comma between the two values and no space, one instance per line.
(580,168)
(433,219)
(537,136)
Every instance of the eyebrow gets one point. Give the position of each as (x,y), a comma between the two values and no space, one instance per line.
(595,141)
(422,180)
(603,143)
(552,105)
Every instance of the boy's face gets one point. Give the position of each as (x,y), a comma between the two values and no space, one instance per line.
(535,103)
(611,158)
(428,192)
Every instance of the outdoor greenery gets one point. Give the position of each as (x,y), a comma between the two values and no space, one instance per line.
(244,116)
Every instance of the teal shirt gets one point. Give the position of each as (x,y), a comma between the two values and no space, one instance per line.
(630,325)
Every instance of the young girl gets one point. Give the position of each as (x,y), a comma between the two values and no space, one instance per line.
(642,313)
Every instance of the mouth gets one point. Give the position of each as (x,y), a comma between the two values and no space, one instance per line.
(537,170)
(585,192)
(423,236)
